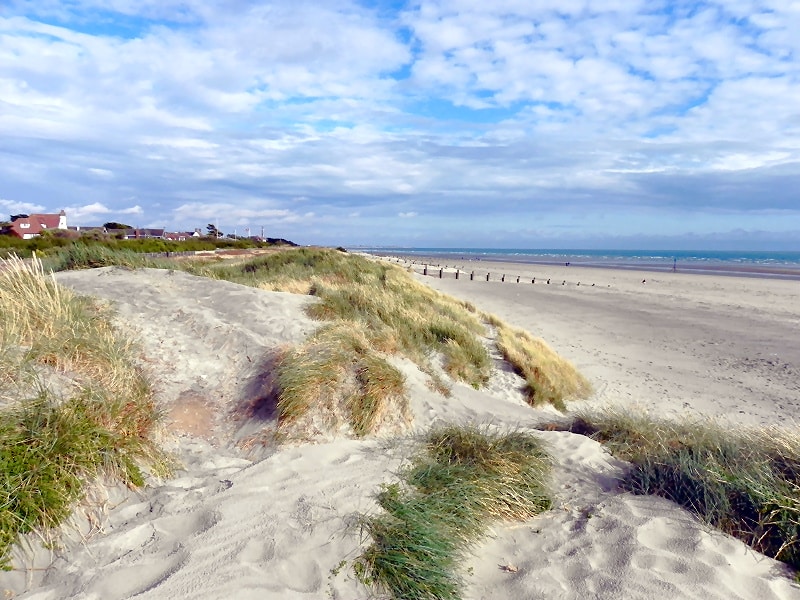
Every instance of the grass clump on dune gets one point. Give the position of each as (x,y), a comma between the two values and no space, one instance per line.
(73,408)
(463,479)
(744,481)
(337,372)
(549,378)
(91,256)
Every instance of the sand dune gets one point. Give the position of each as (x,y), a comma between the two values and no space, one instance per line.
(276,523)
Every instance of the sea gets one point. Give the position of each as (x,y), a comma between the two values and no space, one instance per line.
(767,264)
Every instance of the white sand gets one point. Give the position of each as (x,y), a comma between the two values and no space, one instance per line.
(274,525)
(716,345)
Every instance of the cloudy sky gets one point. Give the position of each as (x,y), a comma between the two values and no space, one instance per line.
(510,123)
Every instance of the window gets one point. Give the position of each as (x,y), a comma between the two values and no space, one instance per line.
(24,225)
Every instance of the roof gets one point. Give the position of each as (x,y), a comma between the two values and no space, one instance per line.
(33,225)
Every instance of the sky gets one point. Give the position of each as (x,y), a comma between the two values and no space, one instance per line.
(450,123)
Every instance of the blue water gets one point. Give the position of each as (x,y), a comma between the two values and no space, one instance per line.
(782,265)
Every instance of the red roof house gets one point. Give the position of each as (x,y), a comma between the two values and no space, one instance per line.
(30,226)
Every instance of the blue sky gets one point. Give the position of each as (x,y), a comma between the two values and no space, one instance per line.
(512,123)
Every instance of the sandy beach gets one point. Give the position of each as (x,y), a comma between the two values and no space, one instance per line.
(668,342)
(241,520)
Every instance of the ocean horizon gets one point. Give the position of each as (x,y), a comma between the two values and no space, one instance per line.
(760,263)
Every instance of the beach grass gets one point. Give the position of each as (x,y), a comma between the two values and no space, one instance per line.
(744,481)
(73,407)
(90,256)
(463,479)
(391,314)
(549,378)
(337,378)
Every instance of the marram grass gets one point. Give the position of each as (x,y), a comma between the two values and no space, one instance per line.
(73,407)
(393,315)
(744,480)
(336,377)
(549,378)
(463,479)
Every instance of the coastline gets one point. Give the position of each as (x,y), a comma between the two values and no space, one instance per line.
(468,261)
(669,343)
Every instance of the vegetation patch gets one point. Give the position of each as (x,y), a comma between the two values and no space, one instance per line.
(463,479)
(73,407)
(92,256)
(549,378)
(389,312)
(744,481)
(336,380)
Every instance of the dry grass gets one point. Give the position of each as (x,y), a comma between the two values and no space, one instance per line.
(60,330)
(335,380)
(549,377)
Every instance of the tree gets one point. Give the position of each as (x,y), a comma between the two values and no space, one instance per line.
(115,225)
(213,231)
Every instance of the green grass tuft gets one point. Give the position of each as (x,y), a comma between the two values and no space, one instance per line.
(744,481)
(73,407)
(464,478)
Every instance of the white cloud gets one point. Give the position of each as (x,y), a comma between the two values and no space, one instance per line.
(88,212)
(236,214)
(245,107)
(13,207)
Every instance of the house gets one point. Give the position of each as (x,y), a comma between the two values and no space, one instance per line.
(31,226)
(135,234)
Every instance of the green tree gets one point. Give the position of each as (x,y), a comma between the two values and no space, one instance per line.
(115,225)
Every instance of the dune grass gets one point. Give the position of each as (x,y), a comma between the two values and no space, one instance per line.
(73,407)
(549,378)
(400,315)
(377,310)
(463,479)
(744,480)
(391,313)
(337,374)
(90,256)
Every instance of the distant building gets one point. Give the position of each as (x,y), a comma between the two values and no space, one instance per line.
(137,234)
(180,236)
(31,226)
